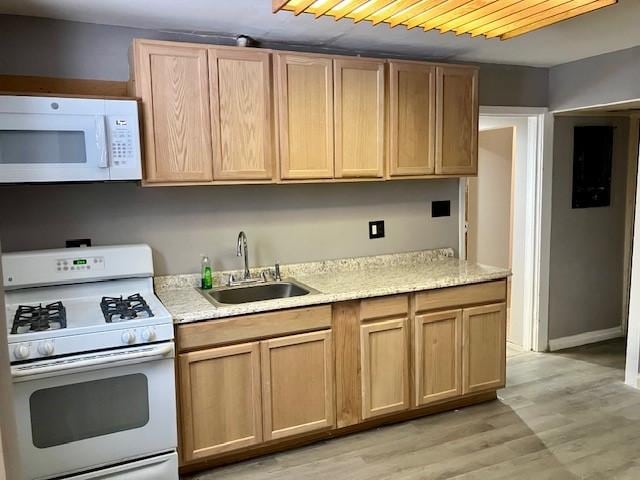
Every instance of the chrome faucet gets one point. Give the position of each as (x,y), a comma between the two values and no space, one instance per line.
(243,250)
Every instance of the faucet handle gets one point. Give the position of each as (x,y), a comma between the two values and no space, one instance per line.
(277,272)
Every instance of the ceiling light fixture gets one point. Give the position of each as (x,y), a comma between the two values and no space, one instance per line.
(502,19)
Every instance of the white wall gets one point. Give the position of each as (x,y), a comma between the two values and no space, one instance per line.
(586,272)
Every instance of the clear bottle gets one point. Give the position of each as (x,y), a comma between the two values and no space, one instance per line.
(207,276)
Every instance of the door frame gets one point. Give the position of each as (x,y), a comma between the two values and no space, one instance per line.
(537,235)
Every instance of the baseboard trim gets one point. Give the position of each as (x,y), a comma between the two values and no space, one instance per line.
(586,338)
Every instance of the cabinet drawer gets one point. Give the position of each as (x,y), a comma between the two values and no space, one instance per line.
(490,292)
(250,327)
(381,307)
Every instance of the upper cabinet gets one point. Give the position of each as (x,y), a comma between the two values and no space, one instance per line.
(412,118)
(359,117)
(173,82)
(305,115)
(218,114)
(457,113)
(241,114)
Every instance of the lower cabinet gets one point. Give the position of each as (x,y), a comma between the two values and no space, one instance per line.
(241,395)
(297,384)
(384,352)
(220,400)
(393,354)
(484,348)
(438,352)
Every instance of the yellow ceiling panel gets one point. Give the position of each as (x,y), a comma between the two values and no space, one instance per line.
(502,19)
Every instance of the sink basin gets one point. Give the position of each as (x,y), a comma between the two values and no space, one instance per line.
(256,292)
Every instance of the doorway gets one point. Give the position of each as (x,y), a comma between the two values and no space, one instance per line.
(526,215)
(489,205)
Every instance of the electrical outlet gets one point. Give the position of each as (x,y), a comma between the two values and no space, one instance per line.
(376,229)
(441,208)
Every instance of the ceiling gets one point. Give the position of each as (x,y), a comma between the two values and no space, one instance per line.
(612,28)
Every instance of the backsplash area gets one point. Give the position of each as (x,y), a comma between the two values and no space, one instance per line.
(284,223)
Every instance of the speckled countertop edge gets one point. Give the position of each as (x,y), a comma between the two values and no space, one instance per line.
(335,281)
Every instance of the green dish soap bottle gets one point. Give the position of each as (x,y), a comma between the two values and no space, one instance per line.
(207,277)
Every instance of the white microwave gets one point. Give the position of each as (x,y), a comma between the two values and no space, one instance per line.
(50,139)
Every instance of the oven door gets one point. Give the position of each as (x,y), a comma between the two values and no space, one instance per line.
(52,148)
(88,412)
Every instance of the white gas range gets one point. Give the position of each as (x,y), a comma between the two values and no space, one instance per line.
(92,363)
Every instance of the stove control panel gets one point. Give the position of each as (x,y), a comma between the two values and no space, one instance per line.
(74,264)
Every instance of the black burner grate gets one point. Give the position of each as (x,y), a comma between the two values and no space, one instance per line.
(118,309)
(38,318)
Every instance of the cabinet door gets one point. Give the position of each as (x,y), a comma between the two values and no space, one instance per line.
(297,384)
(412,117)
(359,118)
(220,400)
(438,341)
(484,348)
(305,112)
(173,84)
(385,367)
(242,122)
(457,117)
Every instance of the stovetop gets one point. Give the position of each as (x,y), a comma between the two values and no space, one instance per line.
(122,309)
(75,319)
(38,318)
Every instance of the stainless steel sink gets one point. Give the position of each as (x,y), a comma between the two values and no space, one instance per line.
(256,292)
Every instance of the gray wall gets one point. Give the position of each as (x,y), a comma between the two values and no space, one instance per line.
(40,46)
(608,78)
(286,223)
(586,244)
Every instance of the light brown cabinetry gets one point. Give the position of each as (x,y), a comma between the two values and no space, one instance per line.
(219,115)
(220,400)
(484,343)
(305,115)
(457,120)
(438,354)
(173,82)
(297,384)
(384,350)
(412,118)
(236,396)
(307,373)
(359,117)
(241,114)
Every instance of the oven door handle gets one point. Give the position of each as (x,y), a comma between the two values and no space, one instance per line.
(21,372)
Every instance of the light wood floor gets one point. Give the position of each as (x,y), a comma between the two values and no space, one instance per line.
(564,415)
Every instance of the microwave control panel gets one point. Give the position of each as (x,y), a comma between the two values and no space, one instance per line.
(121,141)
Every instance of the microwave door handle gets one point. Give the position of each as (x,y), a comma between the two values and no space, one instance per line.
(100,361)
(101,142)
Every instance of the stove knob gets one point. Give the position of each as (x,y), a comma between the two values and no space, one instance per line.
(149,334)
(21,352)
(129,337)
(46,348)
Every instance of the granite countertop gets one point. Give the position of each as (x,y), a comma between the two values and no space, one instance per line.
(335,281)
